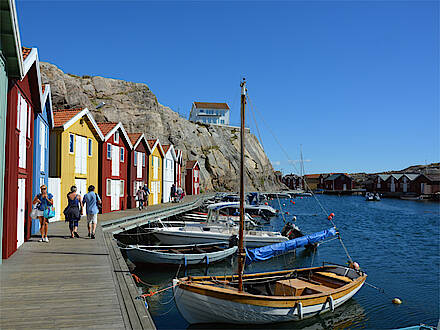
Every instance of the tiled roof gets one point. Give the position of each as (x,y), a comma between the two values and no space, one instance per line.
(165,148)
(106,127)
(334,176)
(312,176)
(151,143)
(60,117)
(134,137)
(190,164)
(26,51)
(211,105)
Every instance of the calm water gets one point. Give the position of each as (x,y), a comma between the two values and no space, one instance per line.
(396,242)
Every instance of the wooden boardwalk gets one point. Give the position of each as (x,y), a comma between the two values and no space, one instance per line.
(74,283)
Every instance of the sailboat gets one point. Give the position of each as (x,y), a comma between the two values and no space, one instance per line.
(268,297)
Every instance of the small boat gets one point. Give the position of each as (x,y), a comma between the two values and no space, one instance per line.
(411,197)
(377,197)
(269,297)
(233,209)
(180,254)
(419,327)
(369,197)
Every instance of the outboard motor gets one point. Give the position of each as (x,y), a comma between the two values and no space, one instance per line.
(291,231)
(233,241)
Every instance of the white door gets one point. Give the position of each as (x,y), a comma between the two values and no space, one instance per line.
(80,154)
(344,186)
(393,185)
(422,188)
(20,211)
(115,193)
(137,185)
(81,185)
(54,187)
(115,160)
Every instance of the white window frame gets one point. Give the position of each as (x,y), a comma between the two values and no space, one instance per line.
(108,183)
(109,150)
(71,143)
(143,159)
(89,147)
(122,154)
(116,137)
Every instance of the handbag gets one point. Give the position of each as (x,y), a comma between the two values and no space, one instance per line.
(49,212)
(34,212)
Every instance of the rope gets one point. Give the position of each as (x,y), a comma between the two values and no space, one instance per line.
(281,209)
(150,294)
(138,280)
(346,251)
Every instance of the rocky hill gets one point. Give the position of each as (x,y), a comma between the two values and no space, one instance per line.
(135,105)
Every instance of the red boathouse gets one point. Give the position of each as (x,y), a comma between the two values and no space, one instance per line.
(138,164)
(192,178)
(113,163)
(24,102)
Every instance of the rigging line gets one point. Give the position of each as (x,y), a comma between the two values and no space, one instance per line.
(281,209)
(287,157)
(313,194)
(255,122)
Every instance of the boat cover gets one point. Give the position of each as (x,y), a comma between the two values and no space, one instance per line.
(273,250)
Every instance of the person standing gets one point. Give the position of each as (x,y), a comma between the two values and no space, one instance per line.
(140,194)
(147,193)
(73,211)
(173,192)
(43,201)
(92,200)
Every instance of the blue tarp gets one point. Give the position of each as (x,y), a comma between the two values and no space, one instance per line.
(269,251)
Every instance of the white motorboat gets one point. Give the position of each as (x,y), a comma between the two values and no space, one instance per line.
(180,254)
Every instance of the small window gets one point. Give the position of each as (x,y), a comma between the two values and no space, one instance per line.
(135,158)
(122,154)
(143,160)
(71,143)
(109,151)
(90,148)
(117,137)
(109,187)
(122,188)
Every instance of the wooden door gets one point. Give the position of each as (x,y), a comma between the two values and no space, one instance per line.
(81,185)
(22,125)
(21,211)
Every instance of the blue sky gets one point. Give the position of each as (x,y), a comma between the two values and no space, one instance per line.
(355,82)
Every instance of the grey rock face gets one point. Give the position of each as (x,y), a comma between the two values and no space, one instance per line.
(216,148)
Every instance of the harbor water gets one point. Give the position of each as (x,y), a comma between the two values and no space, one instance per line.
(395,242)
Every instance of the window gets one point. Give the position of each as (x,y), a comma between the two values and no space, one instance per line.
(109,151)
(155,161)
(222,121)
(122,154)
(135,158)
(90,147)
(143,160)
(121,192)
(42,147)
(109,187)
(71,143)
(116,137)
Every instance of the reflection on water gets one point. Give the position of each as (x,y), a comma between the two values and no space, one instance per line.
(396,242)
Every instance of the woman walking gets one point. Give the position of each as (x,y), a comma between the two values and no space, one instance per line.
(73,211)
(43,201)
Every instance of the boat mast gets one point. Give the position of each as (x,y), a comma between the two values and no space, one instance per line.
(303,185)
(241,252)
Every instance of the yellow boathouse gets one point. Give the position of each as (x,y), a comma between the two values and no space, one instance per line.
(74,154)
(155,172)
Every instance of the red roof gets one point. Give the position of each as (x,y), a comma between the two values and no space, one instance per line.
(134,137)
(151,143)
(190,164)
(312,176)
(26,51)
(106,127)
(211,105)
(165,148)
(60,117)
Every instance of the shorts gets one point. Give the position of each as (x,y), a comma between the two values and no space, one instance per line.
(92,218)
(40,213)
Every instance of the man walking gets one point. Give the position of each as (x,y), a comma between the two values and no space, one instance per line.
(147,193)
(92,200)
(140,194)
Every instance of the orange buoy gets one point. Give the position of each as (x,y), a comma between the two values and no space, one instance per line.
(397,301)
(332,214)
(329,217)
(287,212)
(293,202)
(266,203)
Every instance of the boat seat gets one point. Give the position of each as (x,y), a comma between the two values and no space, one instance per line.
(335,276)
(297,287)
(176,251)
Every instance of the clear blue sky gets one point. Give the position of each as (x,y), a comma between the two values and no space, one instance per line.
(356,83)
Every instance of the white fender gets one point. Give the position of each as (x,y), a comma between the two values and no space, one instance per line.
(331,303)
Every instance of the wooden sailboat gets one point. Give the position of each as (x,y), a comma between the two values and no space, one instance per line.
(264,297)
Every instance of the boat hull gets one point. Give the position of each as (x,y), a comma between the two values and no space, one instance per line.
(228,306)
(187,237)
(144,256)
